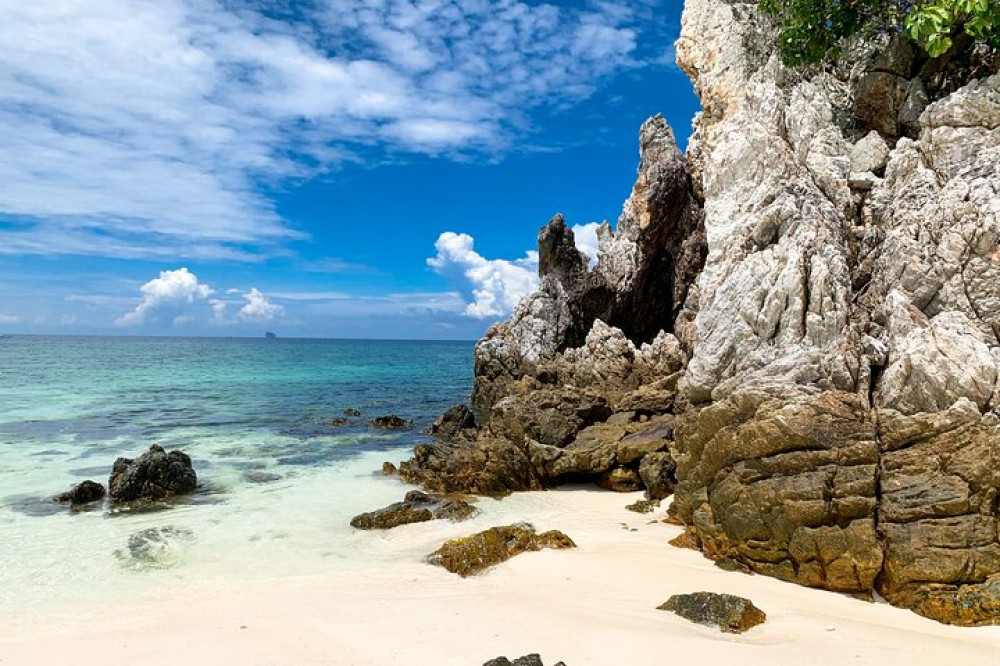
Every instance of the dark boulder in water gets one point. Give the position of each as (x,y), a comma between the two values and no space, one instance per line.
(83,493)
(155,475)
(351,412)
(390,422)
(388,469)
(339,421)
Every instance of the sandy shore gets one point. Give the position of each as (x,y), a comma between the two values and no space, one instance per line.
(595,605)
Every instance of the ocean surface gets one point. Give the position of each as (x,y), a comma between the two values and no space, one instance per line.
(278,481)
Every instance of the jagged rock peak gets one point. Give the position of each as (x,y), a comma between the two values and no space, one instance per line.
(558,256)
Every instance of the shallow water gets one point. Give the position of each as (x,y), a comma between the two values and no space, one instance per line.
(279,482)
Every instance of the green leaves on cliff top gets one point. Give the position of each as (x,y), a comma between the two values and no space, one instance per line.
(811,30)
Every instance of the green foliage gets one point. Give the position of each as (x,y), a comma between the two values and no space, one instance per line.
(812,30)
(934,24)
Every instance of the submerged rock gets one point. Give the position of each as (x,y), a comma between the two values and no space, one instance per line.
(731,614)
(260,476)
(390,422)
(470,555)
(155,548)
(351,412)
(83,493)
(155,475)
(416,507)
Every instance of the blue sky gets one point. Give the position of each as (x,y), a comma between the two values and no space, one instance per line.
(337,168)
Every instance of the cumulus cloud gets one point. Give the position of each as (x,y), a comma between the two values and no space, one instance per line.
(145,129)
(258,308)
(496,285)
(178,297)
(586,239)
(167,299)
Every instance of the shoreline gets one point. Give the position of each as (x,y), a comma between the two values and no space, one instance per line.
(593,605)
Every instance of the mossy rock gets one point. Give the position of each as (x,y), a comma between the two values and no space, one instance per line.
(470,555)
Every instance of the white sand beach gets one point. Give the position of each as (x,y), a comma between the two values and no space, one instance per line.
(592,606)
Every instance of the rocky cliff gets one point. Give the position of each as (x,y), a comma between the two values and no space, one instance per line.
(796,324)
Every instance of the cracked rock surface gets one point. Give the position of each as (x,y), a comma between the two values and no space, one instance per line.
(794,328)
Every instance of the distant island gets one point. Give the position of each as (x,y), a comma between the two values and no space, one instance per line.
(270,336)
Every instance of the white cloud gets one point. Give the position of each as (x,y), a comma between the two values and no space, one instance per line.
(166,299)
(178,297)
(258,308)
(145,129)
(496,284)
(586,239)
(10,319)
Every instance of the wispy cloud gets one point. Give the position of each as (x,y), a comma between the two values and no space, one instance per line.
(146,129)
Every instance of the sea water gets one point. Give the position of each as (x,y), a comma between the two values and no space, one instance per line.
(279,481)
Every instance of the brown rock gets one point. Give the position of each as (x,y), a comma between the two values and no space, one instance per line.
(787,487)
(654,438)
(644,506)
(416,507)
(471,555)
(731,614)
(620,480)
(658,474)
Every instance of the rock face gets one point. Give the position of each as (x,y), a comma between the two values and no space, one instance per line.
(473,554)
(155,475)
(416,507)
(838,422)
(731,614)
(795,328)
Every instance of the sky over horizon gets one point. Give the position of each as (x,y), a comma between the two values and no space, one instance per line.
(329,168)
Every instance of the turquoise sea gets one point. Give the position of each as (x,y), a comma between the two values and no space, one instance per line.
(278,481)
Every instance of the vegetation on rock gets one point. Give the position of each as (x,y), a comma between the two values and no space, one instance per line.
(811,30)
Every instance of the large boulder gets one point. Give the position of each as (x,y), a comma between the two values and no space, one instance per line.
(155,475)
